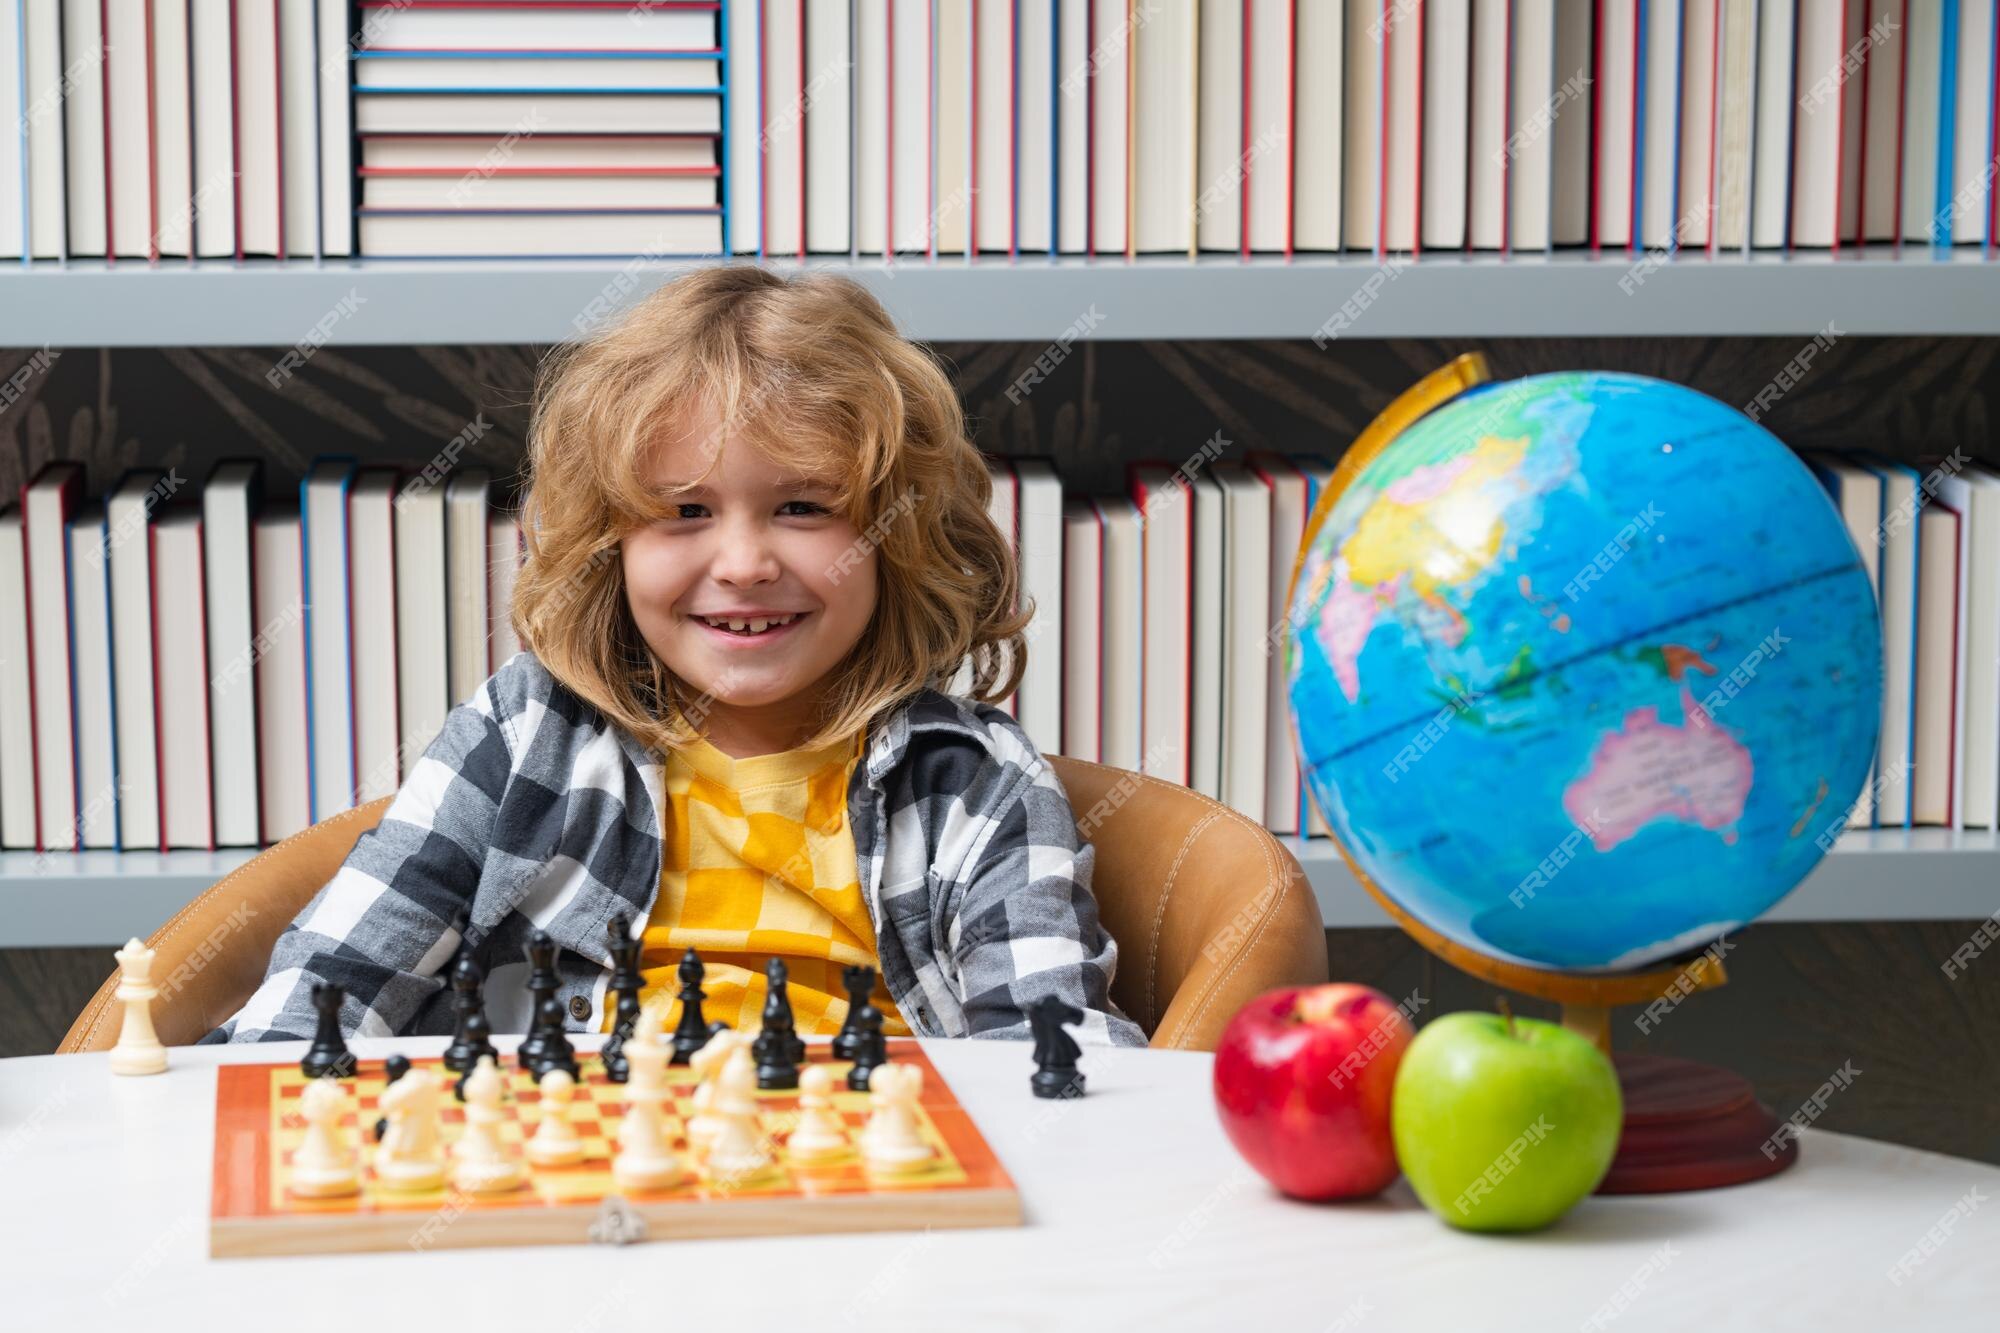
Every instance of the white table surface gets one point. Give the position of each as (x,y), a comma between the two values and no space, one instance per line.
(1140,1216)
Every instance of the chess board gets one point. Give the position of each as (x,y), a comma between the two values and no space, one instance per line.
(257,1129)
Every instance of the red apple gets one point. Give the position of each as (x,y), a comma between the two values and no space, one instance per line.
(1303,1079)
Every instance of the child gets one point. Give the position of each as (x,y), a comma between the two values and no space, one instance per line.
(758,550)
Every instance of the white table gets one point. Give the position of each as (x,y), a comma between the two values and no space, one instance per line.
(1140,1217)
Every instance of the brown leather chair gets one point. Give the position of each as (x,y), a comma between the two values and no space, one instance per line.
(1207,907)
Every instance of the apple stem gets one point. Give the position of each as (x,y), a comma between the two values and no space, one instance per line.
(1507,1012)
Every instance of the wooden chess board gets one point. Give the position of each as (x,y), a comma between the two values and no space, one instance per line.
(257,1128)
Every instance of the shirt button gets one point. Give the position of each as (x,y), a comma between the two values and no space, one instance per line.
(579,1008)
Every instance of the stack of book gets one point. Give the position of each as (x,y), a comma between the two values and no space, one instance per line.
(512,129)
(182,670)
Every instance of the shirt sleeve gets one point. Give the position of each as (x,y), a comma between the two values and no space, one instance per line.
(382,927)
(1027,926)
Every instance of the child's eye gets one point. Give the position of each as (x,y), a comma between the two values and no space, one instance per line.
(810,506)
(681,510)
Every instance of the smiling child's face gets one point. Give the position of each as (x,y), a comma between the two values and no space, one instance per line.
(753,542)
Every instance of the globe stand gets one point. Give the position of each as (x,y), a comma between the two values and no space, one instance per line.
(1688,1126)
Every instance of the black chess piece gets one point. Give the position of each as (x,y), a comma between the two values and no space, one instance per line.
(556,1051)
(626,982)
(870,1049)
(694,1029)
(466,1001)
(859,983)
(476,1032)
(542,985)
(328,1056)
(1056,1074)
(778,1047)
(395,1067)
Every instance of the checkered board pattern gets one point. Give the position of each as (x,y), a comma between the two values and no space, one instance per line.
(258,1128)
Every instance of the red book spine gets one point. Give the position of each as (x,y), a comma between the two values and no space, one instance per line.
(1507,123)
(1291,119)
(802,123)
(1596,114)
(1013,149)
(1243,142)
(1090,140)
(159,715)
(889,188)
(1382,135)
(972,148)
(34,724)
(1417,161)
(152,152)
(1903,47)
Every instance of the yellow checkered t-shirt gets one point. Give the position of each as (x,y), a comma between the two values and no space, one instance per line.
(756,860)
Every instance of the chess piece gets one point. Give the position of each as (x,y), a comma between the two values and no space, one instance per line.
(466,1002)
(542,984)
(1056,1074)
(556,1142)
(870,1050)
(646,1159)
(480,1046)
(393,1068)
(778,1049)
(626,983)
(707,1066)
(820,1135)
(411,1156)
(556,1052)
(859,983)
(486,1164)
(325,1166)
(328,1056)
(739,1152)
(694,1030)
(892,1142)
(138,1050)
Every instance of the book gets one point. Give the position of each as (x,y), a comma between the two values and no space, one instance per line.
(505,26)
(745,39)
(180,658)
(456,156)
(1289,507)
(1615,115)
(1537,102)
(1926,151)
(379,71)
(329,659)
(423,643)
(1318,125)
(284,769)
(1572,125)
(1980,721)
(1073,126)
(993,109)
(298,148)
(90,636)
(1402,130)
(467,587)
(229,513)
(1771,147)
(1161,497)
(539,112)
(1366,52)
(1490,68)
(1881,95)
(1208,521)
(1900,534)
(1122,689)
(912,107)
(1444,147)
(256,197)
(20,827)
(1165,74)
(1826,127)
(339,111)
(1933,740)
(829,126)
(871,147)
(1040,528)
(44,130)
(781,90)
(371,602)
(1005,510)
(1968,207)
(129,550)
(1034,127)
(13,130)
(1223,205)
(47,505)
(1700,55)
(128,75)
(1109,93)
(79,93)
(172,126)
(1656,204)
(1246,582)
(463,233)
(1083,628)
(1270,116)
(1953,490)
(1735,127)
(503,565)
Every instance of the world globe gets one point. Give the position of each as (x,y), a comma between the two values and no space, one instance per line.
(1584,669)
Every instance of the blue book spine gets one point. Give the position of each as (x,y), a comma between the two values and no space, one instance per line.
(21,124)
(1947,123)
(722,136)
(1632,240)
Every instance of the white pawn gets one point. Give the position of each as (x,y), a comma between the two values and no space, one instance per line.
(707,1064)
(411,1155)
(739,1151)
(556,1142)
(138,1050)
(892,1142)
(485,1163)
(821,1135)
(325,1165)
(646,1159)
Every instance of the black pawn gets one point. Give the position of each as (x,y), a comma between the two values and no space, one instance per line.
(870,1050)
(542,985)
(859,982)
(694,1030)
(328,1056)
(778,1047)
(1056,1074)
(395,1067)
(556,1052)
(475,1030)
(626,982)
(467,1002)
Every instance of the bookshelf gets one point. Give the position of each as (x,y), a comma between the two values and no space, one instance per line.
(100,899)
(1874,290)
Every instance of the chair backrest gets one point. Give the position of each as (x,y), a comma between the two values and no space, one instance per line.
(1208,909)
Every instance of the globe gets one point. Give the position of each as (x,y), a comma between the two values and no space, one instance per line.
(1584,669)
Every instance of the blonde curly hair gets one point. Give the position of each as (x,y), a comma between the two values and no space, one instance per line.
(809,369)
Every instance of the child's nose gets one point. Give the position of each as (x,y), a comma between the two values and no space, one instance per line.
(743,554)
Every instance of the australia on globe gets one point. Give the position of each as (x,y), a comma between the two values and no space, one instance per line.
(1584,669)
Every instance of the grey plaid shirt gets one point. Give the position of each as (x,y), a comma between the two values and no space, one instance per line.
(531,809)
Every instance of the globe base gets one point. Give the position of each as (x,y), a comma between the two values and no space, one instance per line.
(1690,1126)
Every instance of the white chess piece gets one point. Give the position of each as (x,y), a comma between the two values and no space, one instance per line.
(707,1065)
(821,1135)
(411,1154)
(646,1159)
(892,1142)
(556,1142)
(486,1165)
(739,1151)
(325,1165)
(138,1050)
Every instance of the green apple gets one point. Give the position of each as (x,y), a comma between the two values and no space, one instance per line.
(1503,1124)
